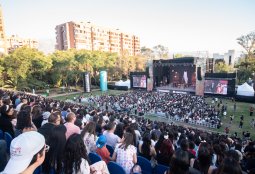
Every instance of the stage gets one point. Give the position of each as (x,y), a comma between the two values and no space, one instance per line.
(179,89)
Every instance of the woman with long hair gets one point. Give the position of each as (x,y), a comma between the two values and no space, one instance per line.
(6,115)
(229,165)
(165,152)
(146,149)
(125,152)
(54,157)
(24,122)
(89,136)
(76,159)
(203,163)
(119,129)
(179,163)
(37,117)
(75,156)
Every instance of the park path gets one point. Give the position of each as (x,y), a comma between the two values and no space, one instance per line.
(64,94)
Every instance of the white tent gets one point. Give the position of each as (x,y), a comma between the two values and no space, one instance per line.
(245,90)
(123,83)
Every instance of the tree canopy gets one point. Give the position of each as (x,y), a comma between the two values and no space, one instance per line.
(29,68)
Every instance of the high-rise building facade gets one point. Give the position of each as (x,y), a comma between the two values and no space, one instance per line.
(15,42)
(84,35)
(2,34)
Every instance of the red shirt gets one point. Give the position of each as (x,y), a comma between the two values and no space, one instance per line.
(104,153)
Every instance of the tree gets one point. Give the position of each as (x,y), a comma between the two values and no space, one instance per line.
(223,68)
(62,65)
(178,55)
(25,66)
(248,43)
(160,51)
(147,53)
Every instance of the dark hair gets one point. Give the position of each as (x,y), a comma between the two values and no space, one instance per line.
(205,154)
(36,111)
(78,123)
(184,144)
(128,140)
(5,109)
(132,131)
(180,162)
(34,159)
(110,125)
(53,117)
(90,128)
(159,142)
(229,165)
(23,120)
(154,136)
(26,107)
(75,150)
(54,157)
(119,130)
(146,146)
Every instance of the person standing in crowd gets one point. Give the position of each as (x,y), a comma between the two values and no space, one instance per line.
(234,107)
(102,150)
(125,152)
(231,118)
(46,129)
(54,158)
(37,117)
(241,124)
(242,118)
(70,126)
(7,113)
(75,159)
(251,110)
(227,130)
(24,123)
(111,138)
(203,162)
(89,136)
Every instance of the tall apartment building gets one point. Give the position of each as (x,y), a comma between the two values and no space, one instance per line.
(13,42)
(2,34)
(84,35)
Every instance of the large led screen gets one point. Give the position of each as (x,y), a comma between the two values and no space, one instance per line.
(139,81)
(216,87)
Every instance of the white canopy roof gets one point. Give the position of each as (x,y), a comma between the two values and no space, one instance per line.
(123,83)
(245,90)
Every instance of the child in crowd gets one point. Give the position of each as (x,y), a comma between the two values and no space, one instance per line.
(102,150)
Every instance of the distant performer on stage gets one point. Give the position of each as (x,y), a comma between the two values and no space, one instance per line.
(185,77)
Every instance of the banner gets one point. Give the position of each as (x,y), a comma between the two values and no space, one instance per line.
(103,80)
(86,82)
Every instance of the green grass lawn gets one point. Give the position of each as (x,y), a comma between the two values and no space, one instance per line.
(93,93)
(242,108)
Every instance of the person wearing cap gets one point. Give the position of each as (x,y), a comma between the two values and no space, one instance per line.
(102,150)
(27,152)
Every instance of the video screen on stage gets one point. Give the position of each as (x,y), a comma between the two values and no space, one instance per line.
(139,81)
(216,87)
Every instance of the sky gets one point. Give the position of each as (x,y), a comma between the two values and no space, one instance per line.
(180,25)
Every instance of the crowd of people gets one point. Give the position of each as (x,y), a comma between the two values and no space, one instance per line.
(59,136)
(178,106)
